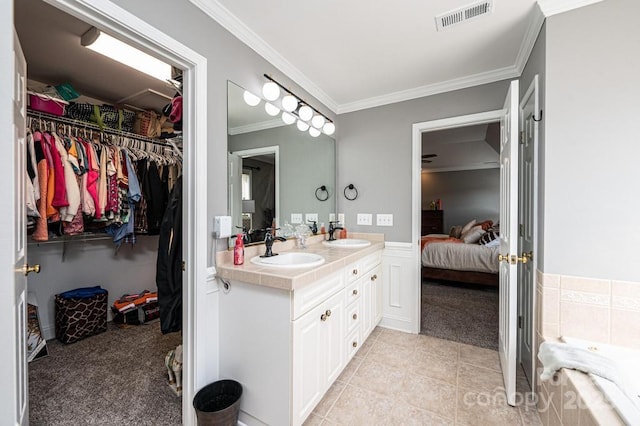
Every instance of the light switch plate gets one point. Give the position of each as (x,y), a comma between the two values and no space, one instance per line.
(296,218)
(341,218)
(311,217)
(364,219)
(332,217)
(384,219)
(222,226)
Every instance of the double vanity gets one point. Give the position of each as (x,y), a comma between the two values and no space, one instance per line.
(290,324)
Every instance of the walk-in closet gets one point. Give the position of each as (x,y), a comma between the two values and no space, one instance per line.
(110,216)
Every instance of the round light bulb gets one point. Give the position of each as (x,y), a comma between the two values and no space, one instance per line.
(271,109)
(305,113)
(288,118)
(250,98)
(329,128)
(318,121)
(289,103)
(302,126)
(270,91)
(314,132)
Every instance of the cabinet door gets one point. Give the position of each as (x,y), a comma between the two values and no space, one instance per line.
(309,377)
(376,291)
(334,333)
(367,307)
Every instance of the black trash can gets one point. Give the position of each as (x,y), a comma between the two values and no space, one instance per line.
(218,403)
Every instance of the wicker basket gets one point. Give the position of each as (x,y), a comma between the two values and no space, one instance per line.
(147,124)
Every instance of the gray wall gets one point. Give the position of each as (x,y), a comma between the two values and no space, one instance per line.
(374,152)
(305,164)
(591,150)
(465,195)
(536,66)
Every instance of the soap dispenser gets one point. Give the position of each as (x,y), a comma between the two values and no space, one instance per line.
(238,250)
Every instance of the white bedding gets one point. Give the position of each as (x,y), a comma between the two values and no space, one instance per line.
(461,257)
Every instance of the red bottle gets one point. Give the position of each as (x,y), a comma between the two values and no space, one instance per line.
(238,251)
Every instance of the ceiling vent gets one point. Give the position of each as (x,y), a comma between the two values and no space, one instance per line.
(463,14)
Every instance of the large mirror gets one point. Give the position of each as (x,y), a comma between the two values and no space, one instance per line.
(276,172)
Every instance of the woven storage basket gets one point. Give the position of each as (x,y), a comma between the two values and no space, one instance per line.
(147,124)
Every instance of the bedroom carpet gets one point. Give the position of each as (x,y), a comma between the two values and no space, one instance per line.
(460,313)
(113,378)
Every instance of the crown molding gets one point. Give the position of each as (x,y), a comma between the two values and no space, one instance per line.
(431,89)
(255,127)
(553,7)
(530,37)
(235,26)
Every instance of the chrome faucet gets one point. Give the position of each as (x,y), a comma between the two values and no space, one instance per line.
(269,239)
(332,229)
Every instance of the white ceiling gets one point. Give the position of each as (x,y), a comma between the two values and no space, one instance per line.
(361,53)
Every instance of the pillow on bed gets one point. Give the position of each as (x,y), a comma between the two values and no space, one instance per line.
(472,236)
(456,231)
(488,236)
(467,227)
(494,243)
(486,224)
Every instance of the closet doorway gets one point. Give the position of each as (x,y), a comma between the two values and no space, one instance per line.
(142,257)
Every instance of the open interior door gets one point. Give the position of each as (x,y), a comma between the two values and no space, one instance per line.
(235,190)
(507,346)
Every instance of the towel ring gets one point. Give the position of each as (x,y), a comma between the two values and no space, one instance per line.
(320,190)
(350,187)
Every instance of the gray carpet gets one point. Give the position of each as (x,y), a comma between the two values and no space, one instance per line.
(461,313)
(113,378)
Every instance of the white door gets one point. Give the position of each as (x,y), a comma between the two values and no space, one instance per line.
(527,208)
(13,250)
(509,241)
(334,338)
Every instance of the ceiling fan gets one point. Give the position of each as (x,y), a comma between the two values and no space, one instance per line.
(426,156)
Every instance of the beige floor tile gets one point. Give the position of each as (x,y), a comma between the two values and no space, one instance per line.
(437,346)
(390,355)
(530,417)
(393,412)
(480,357)
(376,332)
(429,394)
(329,399)
(485,408)
(398,338)
(366,347)
(313,420)
(479,379)
(435,366)
(351,368)
(378,377)
(355,406)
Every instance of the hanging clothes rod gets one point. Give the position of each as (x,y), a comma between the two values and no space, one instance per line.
(37,115)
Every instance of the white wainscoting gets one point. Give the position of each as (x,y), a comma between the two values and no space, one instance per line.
(401,288)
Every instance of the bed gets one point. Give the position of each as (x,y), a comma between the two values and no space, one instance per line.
(446,258)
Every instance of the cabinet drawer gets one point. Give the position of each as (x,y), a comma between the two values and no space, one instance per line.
(311,295)
(357,269)
(352,292)
(352,344)
(353,318)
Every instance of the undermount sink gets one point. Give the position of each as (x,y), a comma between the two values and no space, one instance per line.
(290,260)
(348,243)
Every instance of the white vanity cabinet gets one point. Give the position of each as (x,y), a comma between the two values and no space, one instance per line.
(286,347)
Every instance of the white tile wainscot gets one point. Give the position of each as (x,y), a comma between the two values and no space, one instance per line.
(401,288)
(287,338)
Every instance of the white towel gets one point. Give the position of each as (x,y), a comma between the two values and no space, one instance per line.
(555,356)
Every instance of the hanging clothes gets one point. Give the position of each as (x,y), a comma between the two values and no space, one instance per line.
(169,263)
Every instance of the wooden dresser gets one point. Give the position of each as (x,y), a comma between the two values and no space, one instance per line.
(432,222)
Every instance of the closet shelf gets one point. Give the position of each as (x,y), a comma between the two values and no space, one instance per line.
(87,236)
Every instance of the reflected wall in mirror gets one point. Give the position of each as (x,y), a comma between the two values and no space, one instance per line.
(275,169)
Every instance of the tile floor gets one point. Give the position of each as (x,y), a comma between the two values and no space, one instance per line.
(406,379)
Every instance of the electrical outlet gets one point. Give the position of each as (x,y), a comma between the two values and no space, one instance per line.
(296,218)
(341,218)
(332,217)
(384,219)
(364,219)
(311,217)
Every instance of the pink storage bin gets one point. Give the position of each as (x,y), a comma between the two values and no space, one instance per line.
(45,103)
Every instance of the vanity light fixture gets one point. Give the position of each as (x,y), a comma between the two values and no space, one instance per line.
(314,132)
(111,47)
(297,108)
(271,109)
(251,99)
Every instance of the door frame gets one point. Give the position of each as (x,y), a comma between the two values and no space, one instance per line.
(416,186)
(131,29)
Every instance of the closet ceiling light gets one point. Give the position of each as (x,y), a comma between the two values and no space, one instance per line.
(302,126)
(318,121)
(314,132)
(270,91)
(305,113)
(329,128)
(250,99)
(288,118)
(289,103)
(113,48)
(271,109)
